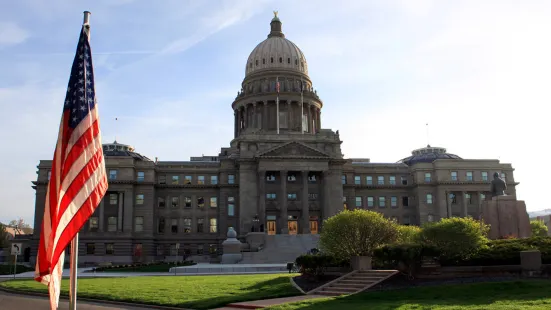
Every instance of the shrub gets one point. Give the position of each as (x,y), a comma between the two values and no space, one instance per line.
(317,264)
(408,234)
(356,233)
(538,228)
(406,257)
(455,238)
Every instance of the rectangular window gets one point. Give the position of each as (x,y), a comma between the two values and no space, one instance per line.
(214,179)
(90,248)
(200,249)
(187,225)
(394,201)
(112,174)
(175,201)
(453,198)
(312,178)
(429,199)
(312,196)
(271,196)
(141,176)
(370,201)
(428,177)
(213,202)
(161,225)
(213,225)
(291,196)
(187,202)
(201,179)
(369,180)
(231,209)
(469,199)
(231,179)
(162,179)
(94,223)
(343,179)
(161,202)
(382,202)
(282,119)
(454,175)
(213,248)
(200,202)
(138,224)
(187,179)
(482,197)
(404,180)
(139,199)
(392,180)
(112,223)
(291,177)
(109,249)
(358,201)
(469,175)
(503,176)
(174,226)
(405,201)
(357,180)
(200,225)
(380,180)
(175,179)
(113,199)
(484,176)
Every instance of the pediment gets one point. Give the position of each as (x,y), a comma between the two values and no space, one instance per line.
(293,150)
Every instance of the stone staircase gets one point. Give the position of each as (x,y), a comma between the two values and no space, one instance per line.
(353,282)
(280,249)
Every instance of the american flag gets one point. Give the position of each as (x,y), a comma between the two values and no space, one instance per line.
(78,180)
(277,85)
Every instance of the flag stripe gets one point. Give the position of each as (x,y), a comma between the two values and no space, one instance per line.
(89,132)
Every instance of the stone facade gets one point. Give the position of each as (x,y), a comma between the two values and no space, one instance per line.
(281,174)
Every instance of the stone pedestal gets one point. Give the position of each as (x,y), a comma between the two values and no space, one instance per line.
(506,217)
(360,263)
(231,248)
(530,260)
(255,240)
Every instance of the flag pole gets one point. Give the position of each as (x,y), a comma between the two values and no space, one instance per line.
(277,105)
(74,242)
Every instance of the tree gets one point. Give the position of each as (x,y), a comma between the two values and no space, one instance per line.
(21,225)
(538,228)
(356,233)
(455,238)
(408,234)
(3,236)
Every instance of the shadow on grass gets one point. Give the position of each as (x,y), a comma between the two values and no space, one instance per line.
(479,296)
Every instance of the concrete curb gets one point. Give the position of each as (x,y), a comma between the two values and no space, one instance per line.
(92,300)
(295,285)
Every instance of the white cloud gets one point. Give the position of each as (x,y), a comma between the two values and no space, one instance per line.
(12,34)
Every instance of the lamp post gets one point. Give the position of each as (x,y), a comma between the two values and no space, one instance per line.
(255,223)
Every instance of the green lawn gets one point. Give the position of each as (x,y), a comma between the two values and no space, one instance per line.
(197,292)
(8,269)
(517,295)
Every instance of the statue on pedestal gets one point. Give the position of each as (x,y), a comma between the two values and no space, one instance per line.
(498,186)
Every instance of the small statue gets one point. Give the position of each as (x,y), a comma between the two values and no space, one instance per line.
(275,14)
(498,186)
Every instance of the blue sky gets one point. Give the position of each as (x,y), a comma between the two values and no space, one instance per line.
(476,71)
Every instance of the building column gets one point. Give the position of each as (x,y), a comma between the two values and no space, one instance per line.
(309,117)
(262,198)
(289,115)
(464,209)
(265,116)
(239,120)
(305,211)
(119,216)
(318,121)
(246,115)
(128,219)
(283,203)
(101,213)
(255,119)
(236,125)
(449,200)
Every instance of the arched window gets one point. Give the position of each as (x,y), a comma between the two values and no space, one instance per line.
(263,61)
(296,62)
(251,65)
(288,60)
(256,61)
(280,60)
(271,59)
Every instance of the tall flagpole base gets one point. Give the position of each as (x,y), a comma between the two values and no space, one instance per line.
(73,279)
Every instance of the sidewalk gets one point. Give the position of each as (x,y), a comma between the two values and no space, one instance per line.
(259,304)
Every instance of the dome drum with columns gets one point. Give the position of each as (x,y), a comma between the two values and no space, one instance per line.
(276,59)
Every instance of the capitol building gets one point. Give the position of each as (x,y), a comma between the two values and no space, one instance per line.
(282,174)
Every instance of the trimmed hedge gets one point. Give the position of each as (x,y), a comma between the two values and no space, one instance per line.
(317,264)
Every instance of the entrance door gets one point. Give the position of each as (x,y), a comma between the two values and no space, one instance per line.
(293,227)
(314,227)
(271,227)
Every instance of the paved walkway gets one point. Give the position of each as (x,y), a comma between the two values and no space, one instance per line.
(258,304)
(18,302)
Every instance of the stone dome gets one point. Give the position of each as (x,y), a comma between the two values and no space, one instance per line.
(276,52)
(428,155)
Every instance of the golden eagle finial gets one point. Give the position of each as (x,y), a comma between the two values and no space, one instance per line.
(275,14)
